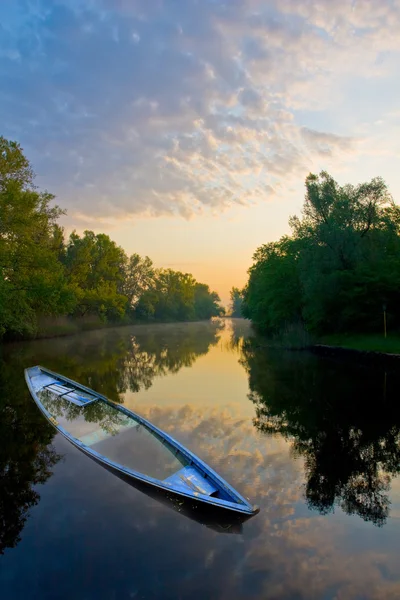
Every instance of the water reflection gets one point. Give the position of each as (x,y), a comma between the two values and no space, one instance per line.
(347,427)
(111,362)
(195,511)
(26,454)
(87,518)
(117,360)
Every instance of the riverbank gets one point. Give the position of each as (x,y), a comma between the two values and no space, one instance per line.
(60,327)
(364,348)
(363,343)
(367,357)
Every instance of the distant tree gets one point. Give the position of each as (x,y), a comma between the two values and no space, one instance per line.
(176,296)
(236,296)
(206,303)
(139,277)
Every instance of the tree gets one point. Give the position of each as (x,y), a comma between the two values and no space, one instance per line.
(350,236)
(236,296)
(271,298)
(340,264)
(41,275)
(206,303)
(176,296)
(95,269)
(14,166)
(32,278)
(139,277)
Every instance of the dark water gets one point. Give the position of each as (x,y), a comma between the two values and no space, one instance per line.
(315,442)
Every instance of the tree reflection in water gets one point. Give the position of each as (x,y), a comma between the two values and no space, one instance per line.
(109,361)
(127,358)
(26,454)
(343,419)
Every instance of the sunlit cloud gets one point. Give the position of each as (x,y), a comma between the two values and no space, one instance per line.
(181,108)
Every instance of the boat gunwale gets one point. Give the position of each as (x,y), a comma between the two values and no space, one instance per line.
(243,506)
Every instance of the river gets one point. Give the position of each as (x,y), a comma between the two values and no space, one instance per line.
(315,442)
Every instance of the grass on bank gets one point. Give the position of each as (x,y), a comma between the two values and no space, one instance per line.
(295,337)
(62,326)
(366,342)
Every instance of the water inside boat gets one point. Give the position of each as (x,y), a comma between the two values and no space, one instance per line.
(108,431)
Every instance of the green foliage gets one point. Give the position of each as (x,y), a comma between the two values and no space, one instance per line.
(138,277)
(14,166)
(89,277)
(271,297)
(365,343)
(95,266)
(175,296)
(341,263)
(206,303)
(32,278)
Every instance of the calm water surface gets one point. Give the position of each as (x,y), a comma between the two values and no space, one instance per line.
(315,442)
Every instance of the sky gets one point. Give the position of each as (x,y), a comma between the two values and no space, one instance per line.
(185,129)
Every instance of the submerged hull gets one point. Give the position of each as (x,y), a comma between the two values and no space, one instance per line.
(133,448)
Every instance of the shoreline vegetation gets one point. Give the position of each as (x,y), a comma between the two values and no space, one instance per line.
(363,343)
(51,285)
(354,347)
(371,347)
(335,281)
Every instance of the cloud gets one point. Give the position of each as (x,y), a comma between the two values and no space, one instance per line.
(164,108)
(325,143)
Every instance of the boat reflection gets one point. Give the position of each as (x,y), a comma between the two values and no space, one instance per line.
(212,517)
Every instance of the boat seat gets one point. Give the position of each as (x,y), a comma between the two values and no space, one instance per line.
(190,479)
(73,395)
(40,381)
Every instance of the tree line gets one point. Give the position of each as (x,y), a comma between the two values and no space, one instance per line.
(337,271)
(43,274)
